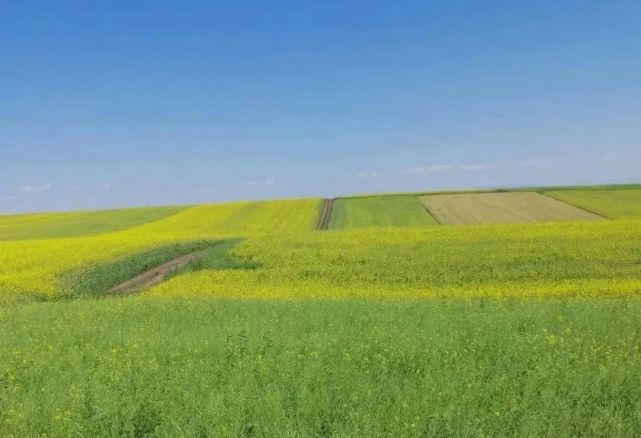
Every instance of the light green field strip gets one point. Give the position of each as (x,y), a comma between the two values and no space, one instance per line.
(615,204)
(502,208)
(74,224)
(379,211)
(242,218)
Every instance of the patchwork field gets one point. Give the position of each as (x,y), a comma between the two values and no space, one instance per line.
(379,211)
(502,208)
(614,204)
(385,325)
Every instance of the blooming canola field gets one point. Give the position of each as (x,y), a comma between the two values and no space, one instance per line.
(387,324)
(285,258)
(35,268)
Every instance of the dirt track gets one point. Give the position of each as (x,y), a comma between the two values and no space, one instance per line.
(326,215)
(155,275)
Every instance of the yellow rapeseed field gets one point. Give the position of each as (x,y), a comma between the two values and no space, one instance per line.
(34,267)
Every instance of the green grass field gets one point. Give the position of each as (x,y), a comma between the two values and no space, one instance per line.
(142,367)
(59,225)
(281,330)
(382,211)
(614,204)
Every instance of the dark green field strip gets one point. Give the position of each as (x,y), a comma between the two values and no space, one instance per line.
(97,279)
(75,224)
(382,211)
(134,367)
(614,204)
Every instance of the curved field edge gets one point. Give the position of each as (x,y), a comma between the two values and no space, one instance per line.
(321,368)
(76,224)
(241,219)
(32,269)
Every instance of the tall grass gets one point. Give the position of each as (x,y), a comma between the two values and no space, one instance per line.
(136,367)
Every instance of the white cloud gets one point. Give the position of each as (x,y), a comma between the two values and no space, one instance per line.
(525,163)
(367,175)
(427,169)
(473,167)
(439,167)
(35,188)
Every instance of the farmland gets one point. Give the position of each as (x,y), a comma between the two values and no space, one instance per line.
(615,204)
(379,211)
(387,324)
(75,224)
(497,208)
(566,259)
(131,366)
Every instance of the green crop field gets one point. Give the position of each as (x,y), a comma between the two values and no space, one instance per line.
(174,367)
(379,211)
(381,326)
(615,204)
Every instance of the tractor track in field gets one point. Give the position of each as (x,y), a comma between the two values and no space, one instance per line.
(326,215)
(155,275)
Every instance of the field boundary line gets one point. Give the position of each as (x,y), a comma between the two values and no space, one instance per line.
(587,210)
(326,215)
(427,210)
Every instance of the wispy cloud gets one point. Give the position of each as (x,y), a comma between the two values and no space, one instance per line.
(35,188)
(269,182)
(474,167)
(525,163)
(427,169)
(367,175)
(73,188)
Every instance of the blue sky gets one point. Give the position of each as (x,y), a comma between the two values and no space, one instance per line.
(117,103)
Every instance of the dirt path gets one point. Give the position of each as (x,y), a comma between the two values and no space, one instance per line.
(326,216)
(155,275)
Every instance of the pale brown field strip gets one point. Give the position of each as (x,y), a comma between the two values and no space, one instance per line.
(500,208)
